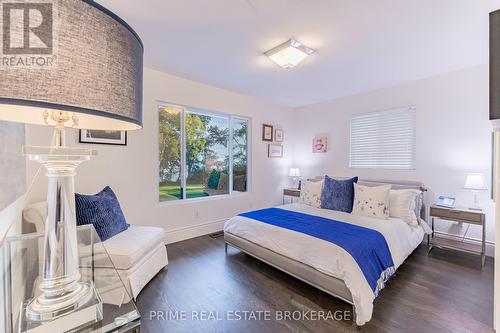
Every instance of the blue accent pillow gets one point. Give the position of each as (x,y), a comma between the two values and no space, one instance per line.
(338,194)
(103,211)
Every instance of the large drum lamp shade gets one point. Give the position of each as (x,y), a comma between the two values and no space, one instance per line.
(96,73)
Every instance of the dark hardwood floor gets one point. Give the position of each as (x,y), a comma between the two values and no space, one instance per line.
(442,292)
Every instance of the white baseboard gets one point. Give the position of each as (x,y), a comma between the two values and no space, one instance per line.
(490,246)
(180,234)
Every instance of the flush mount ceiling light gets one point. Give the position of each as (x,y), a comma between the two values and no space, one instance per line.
(289,54)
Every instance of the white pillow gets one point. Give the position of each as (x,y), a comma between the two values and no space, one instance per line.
(403,205)
(372,201)
(310,193)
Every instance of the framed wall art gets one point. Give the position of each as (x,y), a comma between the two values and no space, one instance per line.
(103,137)
(319,144)
(267,132)
(279,135)
(275,150)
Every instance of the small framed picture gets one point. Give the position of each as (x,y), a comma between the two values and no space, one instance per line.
(319,144)
(267,132)
(275,150)
(279,135)
(103,137)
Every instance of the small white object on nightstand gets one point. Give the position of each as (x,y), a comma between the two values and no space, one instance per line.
(295,175)
(475,182)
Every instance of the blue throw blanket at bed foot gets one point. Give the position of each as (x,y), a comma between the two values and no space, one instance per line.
(368,247)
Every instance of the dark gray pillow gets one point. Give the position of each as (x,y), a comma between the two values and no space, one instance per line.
(338,194)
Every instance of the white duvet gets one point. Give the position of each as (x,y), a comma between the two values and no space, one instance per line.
(327,257)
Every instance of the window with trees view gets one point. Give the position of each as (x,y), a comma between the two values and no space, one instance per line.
(202,153)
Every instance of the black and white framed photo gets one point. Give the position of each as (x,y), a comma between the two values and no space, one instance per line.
(103,137)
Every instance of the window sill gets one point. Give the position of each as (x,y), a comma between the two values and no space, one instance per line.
(204,199)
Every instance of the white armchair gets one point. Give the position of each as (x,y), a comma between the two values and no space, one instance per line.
(137,253)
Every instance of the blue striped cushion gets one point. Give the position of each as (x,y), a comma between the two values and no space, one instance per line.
(103,211)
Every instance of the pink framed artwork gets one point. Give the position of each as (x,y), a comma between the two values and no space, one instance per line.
(319,144)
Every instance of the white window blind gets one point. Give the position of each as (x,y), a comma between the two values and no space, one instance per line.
(383,139)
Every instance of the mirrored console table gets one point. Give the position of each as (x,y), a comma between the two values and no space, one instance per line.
(21,266)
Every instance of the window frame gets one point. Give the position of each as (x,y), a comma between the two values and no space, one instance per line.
(195,110)
(413,109)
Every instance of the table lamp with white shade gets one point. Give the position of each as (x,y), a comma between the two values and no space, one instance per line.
(95,83)
(295,175)
(475,182)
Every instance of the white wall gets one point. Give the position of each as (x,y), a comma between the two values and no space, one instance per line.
(132,170)
(453,136)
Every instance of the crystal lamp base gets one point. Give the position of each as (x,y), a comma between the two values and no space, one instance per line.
(61,289)
(82,309)
(46,307)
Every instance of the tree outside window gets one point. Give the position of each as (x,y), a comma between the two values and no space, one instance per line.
(201,153)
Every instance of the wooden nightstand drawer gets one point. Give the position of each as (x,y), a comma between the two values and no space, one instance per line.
(291,192)
(457,215)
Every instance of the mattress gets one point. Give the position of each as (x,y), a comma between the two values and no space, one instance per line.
(327,257)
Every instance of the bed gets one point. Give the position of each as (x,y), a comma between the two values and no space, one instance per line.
(320,263)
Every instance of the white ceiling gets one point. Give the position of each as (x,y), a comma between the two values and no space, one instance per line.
(361,45)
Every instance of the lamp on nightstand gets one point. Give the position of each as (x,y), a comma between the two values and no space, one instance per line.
(475,182)
(295,175)
(85,72)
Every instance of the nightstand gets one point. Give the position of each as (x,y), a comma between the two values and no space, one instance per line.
(290,192)
(461,215)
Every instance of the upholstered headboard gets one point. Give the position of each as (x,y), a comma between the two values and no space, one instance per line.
(396,185)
